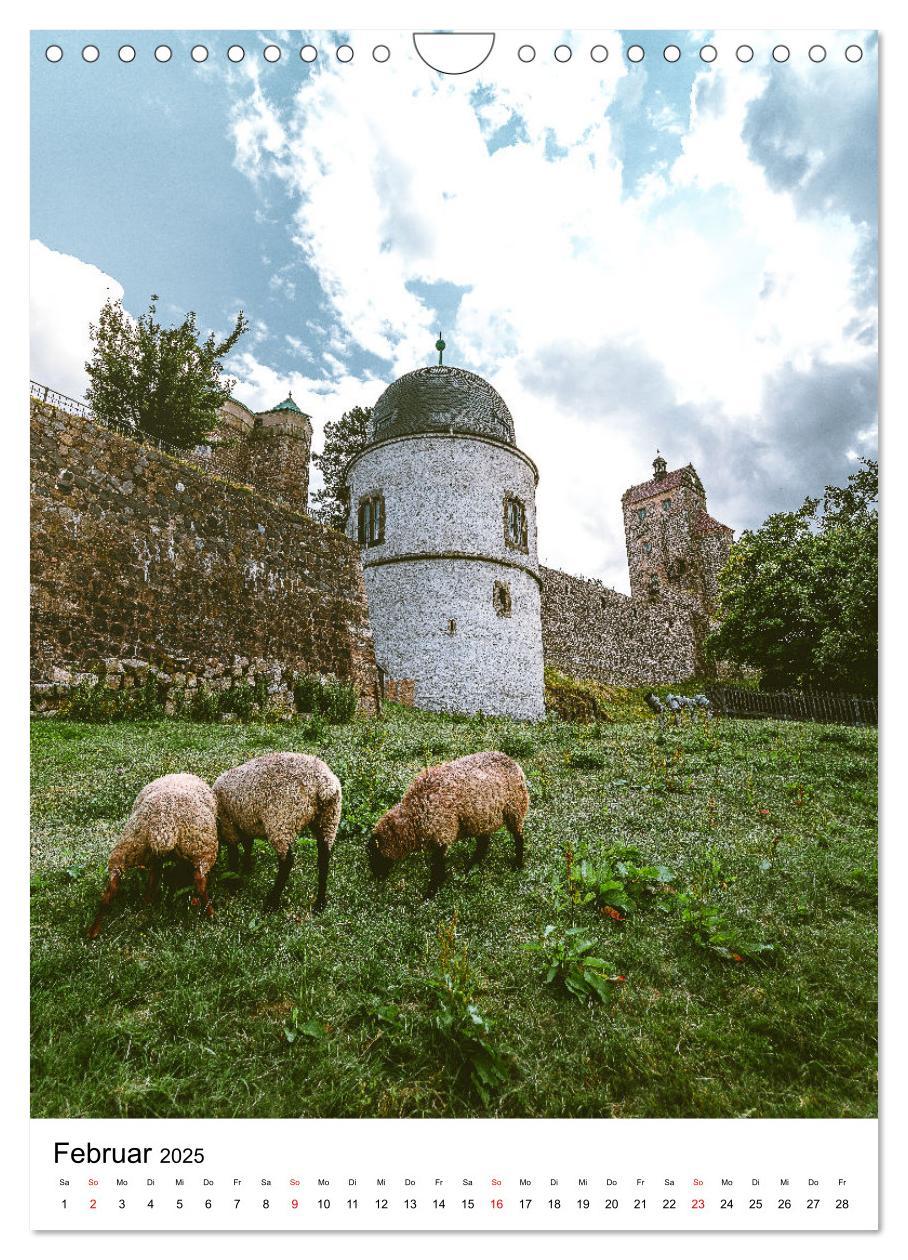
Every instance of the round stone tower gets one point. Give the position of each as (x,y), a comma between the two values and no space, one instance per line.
(443,503)
(279,449)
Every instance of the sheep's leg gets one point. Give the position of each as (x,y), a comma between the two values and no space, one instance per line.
(113,885)
(284,867)
(480,852)
(436,870)
(233,867)
(201,887)
(515,826)
(247,855)
(325,825)
(152,886)
(324,859)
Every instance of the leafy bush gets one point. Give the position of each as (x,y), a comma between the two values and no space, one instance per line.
(205,705)
(568,954)
(238,699)
(466,1035)
(145,701)
(667,771)
(618,882)
(96,702)
(709,928)
(575,699)
(335,699)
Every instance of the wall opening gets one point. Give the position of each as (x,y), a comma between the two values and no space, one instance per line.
(371,520)
(501,598)
(515,523)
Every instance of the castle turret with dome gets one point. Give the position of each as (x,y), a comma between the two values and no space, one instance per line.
(443,503)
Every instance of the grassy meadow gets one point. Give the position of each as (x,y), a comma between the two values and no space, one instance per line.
(693,934)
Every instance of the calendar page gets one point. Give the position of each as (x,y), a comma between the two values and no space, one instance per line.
(454,628)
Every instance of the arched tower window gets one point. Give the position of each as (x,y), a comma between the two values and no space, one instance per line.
(515,523)
(371,521)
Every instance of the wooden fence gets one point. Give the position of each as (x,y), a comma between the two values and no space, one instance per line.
(801,706)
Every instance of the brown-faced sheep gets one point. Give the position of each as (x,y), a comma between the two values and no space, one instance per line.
(174,816)
(472,796)
(278,796)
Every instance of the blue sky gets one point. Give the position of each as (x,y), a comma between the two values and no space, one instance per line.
(664,254)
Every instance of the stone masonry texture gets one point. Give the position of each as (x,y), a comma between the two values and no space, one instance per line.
(454,604)
(591,631)
(144,558)
(269,451)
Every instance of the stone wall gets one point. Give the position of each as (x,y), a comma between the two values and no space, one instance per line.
(591,631)
(270,457)
(141,557)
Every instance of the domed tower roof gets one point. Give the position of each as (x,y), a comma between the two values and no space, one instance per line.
(287,405)
(441,399)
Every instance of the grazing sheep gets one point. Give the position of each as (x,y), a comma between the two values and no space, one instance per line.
(689,705)
(174,816)
(702,702)
(278,796)
(472,796)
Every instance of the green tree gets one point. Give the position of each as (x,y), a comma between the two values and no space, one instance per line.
(162,381)
(344,438)
(798,596)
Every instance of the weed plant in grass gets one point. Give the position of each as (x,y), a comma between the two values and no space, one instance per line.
(769,828)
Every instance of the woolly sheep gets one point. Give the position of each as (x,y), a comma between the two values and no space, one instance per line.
(472,796)
(277,796)
(174,816)
(689,705)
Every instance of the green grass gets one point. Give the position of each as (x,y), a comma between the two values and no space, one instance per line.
(366,1009)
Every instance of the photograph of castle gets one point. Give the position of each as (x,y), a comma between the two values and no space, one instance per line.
(453,557)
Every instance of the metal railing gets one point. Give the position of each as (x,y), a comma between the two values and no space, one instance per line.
(73,407)
(800,706)
(54,398)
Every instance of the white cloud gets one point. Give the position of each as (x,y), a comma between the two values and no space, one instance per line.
(65,296)
(707,271)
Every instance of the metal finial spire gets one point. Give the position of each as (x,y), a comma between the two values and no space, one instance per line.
(440,347)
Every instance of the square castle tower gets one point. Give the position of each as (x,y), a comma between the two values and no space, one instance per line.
(675,549)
